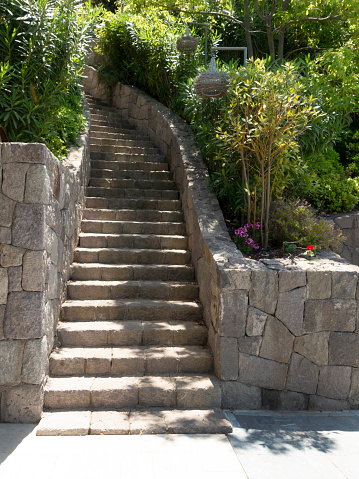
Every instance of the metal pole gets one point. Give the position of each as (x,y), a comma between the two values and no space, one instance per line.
(205,38)
(243,49)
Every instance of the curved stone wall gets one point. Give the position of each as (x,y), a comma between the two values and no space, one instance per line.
(41,203)
(285,335)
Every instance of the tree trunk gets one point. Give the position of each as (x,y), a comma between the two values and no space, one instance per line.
(247,29)
(281,35)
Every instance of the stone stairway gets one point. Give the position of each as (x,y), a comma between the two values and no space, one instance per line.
(133,356)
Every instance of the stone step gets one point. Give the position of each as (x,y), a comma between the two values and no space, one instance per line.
(135,421)
(166,290)
(106,131)
(128,165)
(133,227)
(132,255)
(129,310)
(132,204)
(131,193)
(96,240)
(127,157)
(130,361)
(114,120)
(132,333)
(123,272)
(131,174)
(133,215)
(110,183)
(121,148)
(121,141)
(200,392)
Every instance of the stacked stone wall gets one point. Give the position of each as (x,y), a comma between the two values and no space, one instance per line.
(41,203)
(349,224)
(284,334)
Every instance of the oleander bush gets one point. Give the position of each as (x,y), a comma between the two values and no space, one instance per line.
(43,46)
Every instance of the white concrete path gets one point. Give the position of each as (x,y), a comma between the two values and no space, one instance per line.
(264,445)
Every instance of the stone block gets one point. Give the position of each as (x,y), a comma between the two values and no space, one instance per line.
(236,395)
(319,285)
(290,309)
(320,403)
(250,345)
(11,353)
(5,235)
(256,371)
(329,315)
(29,227)
(314,347)
(334,382)
(23,404)
(235,279)
(11,256)
(284,400)
(354,388)
(228,358)
(34,271)
(264,291)
(302,375)
(6,210)
(24,316)
(35,361)
(256,320)
(233,313)
(289,280)
(14,180)
(53,282)
(52,246)
(25,153)
(277,341)
(344,285)
(38,186)
(4,285)
(2,318)
(344,349)
(15,276)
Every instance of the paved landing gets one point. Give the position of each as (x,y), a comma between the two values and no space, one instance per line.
(263,445)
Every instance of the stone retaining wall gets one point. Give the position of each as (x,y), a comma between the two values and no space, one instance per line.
(349,224)
(41,204)
(284,334)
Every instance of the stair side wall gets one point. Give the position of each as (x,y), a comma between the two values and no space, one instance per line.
(283,336)
(41,202)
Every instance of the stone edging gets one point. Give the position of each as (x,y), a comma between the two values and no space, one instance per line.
(40,216)
(284,335)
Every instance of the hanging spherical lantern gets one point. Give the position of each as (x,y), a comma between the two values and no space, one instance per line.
(187,44)
(211,84)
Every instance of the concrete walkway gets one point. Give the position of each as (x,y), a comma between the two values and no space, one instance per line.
(264,445)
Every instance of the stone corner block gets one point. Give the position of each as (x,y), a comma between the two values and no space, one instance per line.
(23,404)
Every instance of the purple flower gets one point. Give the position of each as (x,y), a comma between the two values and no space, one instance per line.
(242,232)
(257,225)
(255,246)
(250,241)
(248,225)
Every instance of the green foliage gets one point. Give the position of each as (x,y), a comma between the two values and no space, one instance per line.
(142,51)
(43,45)
(296,221)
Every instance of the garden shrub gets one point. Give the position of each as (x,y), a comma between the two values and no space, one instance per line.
(43,46)
(297,221)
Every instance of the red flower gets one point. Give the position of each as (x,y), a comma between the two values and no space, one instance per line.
(310,247)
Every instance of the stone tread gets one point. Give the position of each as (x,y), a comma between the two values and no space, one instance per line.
(93,392)
(123,192)
(128,310)
(132,333)
(112,240)
(121,140)
(165,290)
(120,148)
(131,174)
(130,360)
(132,203)
(133,157)
(134,421)
(131,255)
(164,228)
(133,184)
(132,215)
(122,272)
(127,165)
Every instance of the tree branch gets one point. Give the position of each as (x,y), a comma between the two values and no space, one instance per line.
(202,12)
(310,19)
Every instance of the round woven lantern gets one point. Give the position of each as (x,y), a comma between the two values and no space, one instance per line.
(187,44)
(211,84)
